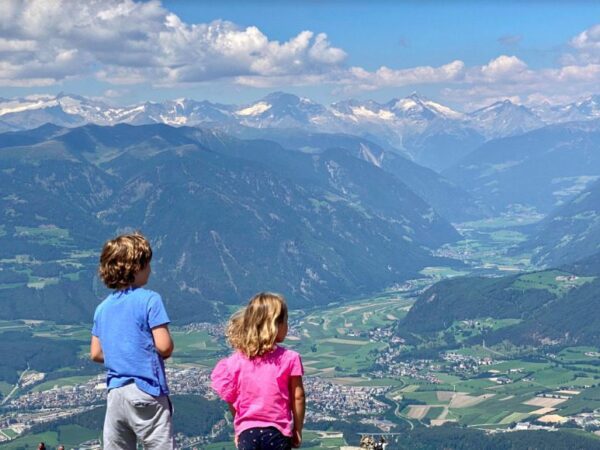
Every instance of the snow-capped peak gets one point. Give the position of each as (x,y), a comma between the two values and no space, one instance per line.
(254,110)
(444,110)
(27,104)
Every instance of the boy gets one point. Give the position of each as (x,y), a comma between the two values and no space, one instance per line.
(131,337)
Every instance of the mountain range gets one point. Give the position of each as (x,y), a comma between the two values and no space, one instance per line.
(543,168)
(551,307)
(226,217)
(570,232)
(432,134)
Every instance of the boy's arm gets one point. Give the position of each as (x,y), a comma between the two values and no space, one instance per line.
(96,353)
(163,341)
(298,408)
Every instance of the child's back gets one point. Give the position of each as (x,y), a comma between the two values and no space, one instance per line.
(131,337)
(262,381)
(123,322)
(258,388)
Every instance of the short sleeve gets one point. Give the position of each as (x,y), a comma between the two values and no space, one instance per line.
(96,326)
(224,380)
(157,315)
(296,367)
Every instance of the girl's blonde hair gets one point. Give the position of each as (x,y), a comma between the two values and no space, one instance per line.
(253,330)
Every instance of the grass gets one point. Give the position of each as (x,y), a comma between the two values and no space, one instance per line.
(320,439)
(5,388)
(486,242)
(31,441)
(554,377)
(71,435)
(44,234)
(514,417)
(434,412)
(429,398)
(578,354)
(69,381)
(463,329)
(336,336)
(410,388)
(547,280)
(9,433)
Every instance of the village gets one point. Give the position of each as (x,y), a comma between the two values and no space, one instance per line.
(327,401)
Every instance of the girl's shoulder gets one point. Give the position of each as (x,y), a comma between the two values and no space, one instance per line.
(286,352)
(290,359)
(228,365)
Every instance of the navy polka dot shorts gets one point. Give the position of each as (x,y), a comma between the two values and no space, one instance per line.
(269,438)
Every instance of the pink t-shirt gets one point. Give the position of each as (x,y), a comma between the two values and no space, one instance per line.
(258,388)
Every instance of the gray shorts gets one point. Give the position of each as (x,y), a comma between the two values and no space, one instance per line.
(132,414)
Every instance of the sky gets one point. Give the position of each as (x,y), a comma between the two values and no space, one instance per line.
(463,54)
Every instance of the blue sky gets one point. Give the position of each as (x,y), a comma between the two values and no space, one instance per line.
(411,33)
(464,54)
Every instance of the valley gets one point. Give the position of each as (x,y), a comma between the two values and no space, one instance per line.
(362,367)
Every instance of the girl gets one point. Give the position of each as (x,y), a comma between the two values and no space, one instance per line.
(262,381)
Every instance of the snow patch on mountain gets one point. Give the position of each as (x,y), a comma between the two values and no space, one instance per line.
(383,114)
(254,110)
(16,106)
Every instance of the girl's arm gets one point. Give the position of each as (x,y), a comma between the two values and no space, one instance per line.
(231,409)
(298,408)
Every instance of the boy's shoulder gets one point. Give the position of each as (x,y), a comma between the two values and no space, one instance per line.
(138,294)
(143,292)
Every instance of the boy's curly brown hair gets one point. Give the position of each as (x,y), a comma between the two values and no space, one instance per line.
(122,257)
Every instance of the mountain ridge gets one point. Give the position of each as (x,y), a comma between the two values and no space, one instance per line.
(226,217)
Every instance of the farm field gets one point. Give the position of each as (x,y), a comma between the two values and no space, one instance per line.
(538,388)
(336,341)
(485,244)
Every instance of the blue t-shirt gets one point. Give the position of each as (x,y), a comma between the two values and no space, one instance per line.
(123,322)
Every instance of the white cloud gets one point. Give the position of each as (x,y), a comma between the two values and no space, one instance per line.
(588,39)
(357,77)
(126,42)
(503,67)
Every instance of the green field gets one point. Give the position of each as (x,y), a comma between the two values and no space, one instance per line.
(486,242)
(197,347)
(68,435)
(322,439)
(554,281)
(507,404)
(50,438)
(49,235)
(9,433)
(69,381)
(334,341)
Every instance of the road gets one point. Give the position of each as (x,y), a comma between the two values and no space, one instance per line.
(10,394)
